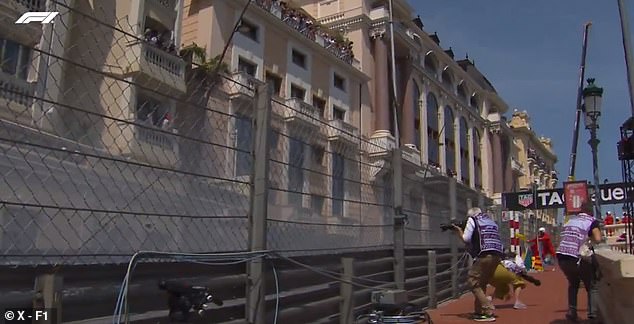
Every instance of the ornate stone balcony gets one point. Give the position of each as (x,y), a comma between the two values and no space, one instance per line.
(412,155)
(156,66)
(240,85)
(298,111)
(340,131)
(14,89)
(517,166)
(380,145)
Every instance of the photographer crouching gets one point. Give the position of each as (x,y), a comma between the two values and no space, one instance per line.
(482,236)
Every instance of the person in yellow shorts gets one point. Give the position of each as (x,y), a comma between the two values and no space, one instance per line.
(510,273)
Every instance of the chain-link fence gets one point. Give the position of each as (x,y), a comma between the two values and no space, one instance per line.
(113,142)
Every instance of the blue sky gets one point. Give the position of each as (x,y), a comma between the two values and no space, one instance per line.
(530,51)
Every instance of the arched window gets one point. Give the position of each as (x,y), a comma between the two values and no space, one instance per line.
(465,175)
(416,106)
(450,144)
(473,103)
(431,65)
(477,159)
(462,92)
(447,80)
(433,135)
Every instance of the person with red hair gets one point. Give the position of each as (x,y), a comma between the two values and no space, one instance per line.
(542,243)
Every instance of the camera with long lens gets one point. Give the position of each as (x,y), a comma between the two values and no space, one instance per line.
(446,227)
(184,297)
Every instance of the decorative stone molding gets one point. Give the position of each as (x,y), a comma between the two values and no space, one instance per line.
(378,32)
(495,128)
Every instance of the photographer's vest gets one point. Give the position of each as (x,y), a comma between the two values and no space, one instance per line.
(488,236)
(575,234)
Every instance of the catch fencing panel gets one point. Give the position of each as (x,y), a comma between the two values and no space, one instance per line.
(111,144)
(325,195)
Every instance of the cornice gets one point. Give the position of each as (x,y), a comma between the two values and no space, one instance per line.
(364,21)
(535,142)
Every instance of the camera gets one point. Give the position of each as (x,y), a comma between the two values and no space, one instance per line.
(445,227)
(183,297)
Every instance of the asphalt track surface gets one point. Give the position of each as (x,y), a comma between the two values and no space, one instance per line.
(547,304)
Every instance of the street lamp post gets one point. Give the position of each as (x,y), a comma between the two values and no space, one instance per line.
(593,98)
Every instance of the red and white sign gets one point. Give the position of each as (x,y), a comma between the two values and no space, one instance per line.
(575,195)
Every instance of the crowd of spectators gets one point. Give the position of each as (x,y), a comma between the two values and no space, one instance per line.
(303,23)
(163,40)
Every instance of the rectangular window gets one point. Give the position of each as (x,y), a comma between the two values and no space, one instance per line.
(339,82)
(15,58)
(320,104)
(338,174)
(247,67)
(338,113)
(274,83)
(244,141)
(249,30)
(295,171)
(298,58)
(317,204)
(298,92)
(318,155)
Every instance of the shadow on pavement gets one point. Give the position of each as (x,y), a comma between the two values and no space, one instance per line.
(510,306)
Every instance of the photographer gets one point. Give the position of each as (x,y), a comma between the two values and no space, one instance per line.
(575,256)
(483,241)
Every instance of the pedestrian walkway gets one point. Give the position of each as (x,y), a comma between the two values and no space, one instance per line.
(547,304)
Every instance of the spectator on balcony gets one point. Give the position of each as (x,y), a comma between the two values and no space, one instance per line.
(151,36)
(163,40)
(609,220)
(626,218)
(166,123)
(303,23)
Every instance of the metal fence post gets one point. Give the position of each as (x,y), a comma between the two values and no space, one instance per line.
(255,303)
(346,291)
(431,274)
(48,294)
(453,214)
(399,219)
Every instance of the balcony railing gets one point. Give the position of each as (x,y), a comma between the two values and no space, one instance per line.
(167,62)
(307,27)
(381,145)
(155,137)
(411,154)
(156,64)
(340,130)
(14,89)
(517,166)
(31,5)
(241,84)
(298,110)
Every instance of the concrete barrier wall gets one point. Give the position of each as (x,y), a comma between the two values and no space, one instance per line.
(616,288)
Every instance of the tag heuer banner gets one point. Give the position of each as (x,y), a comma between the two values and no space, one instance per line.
(611,193)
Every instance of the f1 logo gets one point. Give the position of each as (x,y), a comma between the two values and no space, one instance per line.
(43,17)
